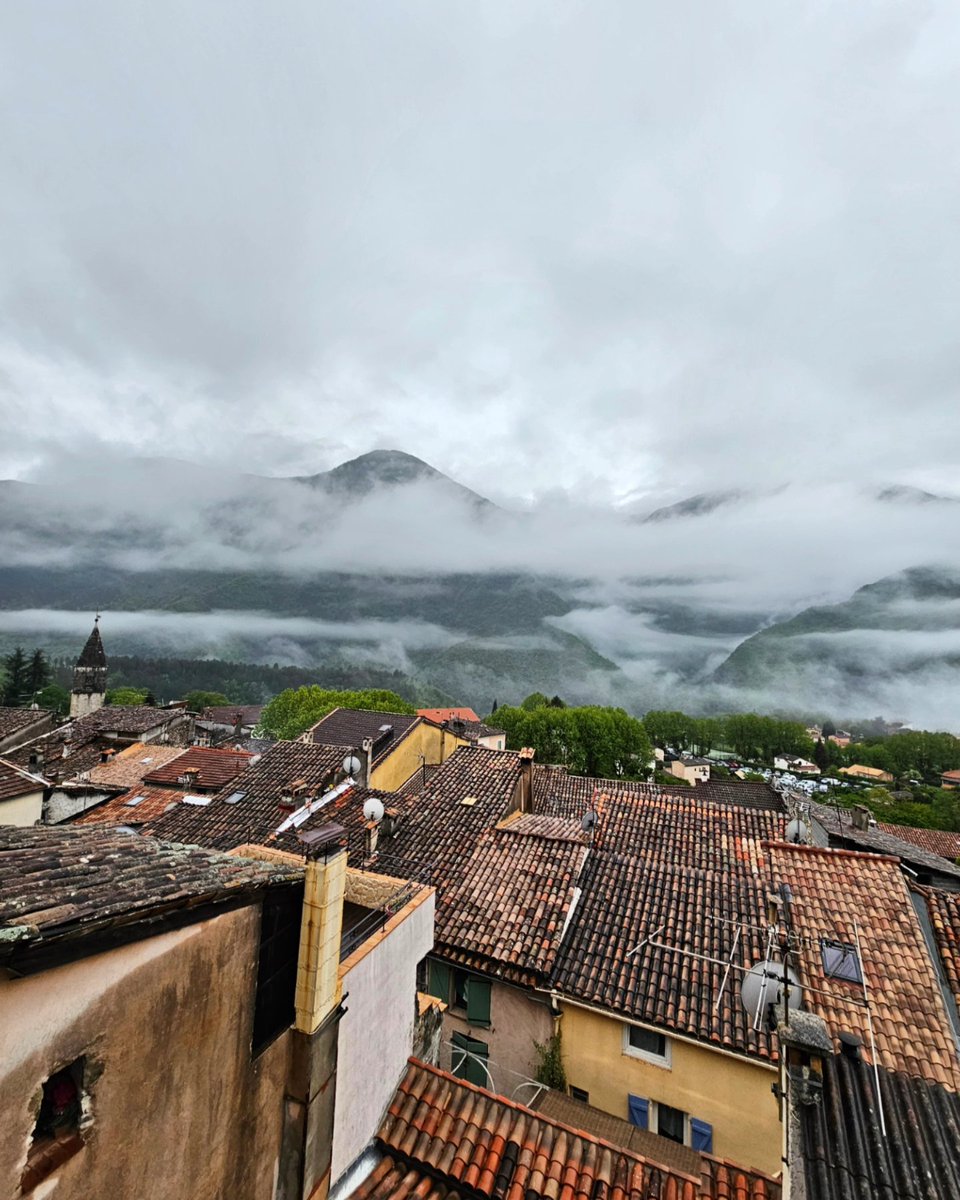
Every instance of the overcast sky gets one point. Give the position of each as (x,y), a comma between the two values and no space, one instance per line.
(604,247)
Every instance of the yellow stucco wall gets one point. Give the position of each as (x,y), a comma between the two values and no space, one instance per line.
(731,1093)
(433,743)
(22,810)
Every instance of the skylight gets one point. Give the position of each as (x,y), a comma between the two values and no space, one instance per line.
(133,801)
(234,797)
(202,801)
(841,961)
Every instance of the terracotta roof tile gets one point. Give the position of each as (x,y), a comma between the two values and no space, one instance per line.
(214,768)
(937,841)
(453,1137)
(347,728)
(59,880)
(15,781)
(13,720)
(838,894)
(944,912)
(138,806)
(506,910)
(249,714)
(256,811)
(128,766)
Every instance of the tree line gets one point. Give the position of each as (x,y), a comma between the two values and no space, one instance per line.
(589,740)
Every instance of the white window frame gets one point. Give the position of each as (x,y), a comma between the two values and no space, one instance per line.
(664,1061)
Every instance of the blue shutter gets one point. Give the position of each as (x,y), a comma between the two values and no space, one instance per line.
(638,1109)
(701,1135)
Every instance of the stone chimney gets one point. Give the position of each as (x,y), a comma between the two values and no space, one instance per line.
(862,816)
(366,762)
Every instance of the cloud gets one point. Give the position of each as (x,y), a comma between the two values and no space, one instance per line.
(598,248)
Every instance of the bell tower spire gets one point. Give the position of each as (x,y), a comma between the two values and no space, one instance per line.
(89,676)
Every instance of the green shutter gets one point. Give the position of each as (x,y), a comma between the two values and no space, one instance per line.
(478,1001)
(468,1059)
(439,982)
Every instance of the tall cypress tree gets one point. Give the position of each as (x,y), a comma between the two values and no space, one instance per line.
(17,672)
(38,674)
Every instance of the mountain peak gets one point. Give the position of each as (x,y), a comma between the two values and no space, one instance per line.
(387,468)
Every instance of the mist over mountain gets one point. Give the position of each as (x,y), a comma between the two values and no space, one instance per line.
(388,563)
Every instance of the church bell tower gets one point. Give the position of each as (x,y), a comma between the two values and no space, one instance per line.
(89,676)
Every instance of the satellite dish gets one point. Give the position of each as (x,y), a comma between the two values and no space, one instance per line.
(352,764)
(762,987)
(588,821)
(373,809)
(797,831)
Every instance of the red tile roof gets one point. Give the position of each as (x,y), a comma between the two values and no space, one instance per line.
(153,802)
(15,781)
(937,841)
(255,813)
(442,1136)
(447,714)
(505,913)
(125,768)
(838,894)
(215,768)
(943,909)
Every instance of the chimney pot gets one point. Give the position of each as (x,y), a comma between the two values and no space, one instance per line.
(850,1045)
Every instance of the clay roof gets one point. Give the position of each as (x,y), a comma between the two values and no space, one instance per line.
(214,768)
(447,714)
(256,814)
(65,881)
(227,714)
(943,909)
(636,917)
(92,654)
(840,827)
(467,794)
(951,775)
(844,1155)
(121,719)
(838,895)
(138,806)
(505,912)
(13,720)
(570,795)
(937,841)
(347,727)
(442,1136)
(129,765)
(15,781)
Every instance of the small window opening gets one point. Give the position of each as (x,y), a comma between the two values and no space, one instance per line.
(56,1134)
(460,989)
(579,1094)
(841,961)
(671,1123)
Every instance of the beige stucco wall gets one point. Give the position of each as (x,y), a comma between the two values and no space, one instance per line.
(518,1018)
(22,810)
(178,1108)
(376,1032)
(730,1092)
(424,744)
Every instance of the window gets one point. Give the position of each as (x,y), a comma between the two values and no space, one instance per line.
(274,1007)
(438,980)
(56,1134)
(646,1044)
(841,961)
(460,989)
(472,993)
(579,1094)
(469,1059)
(671,1123)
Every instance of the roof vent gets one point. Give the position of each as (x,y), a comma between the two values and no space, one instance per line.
(468,801)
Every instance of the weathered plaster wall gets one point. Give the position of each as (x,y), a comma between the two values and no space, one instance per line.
(424,744)
(377,1031)
(730,1092)
(22,810)
(63,804)
(518,1018)
(178,1108)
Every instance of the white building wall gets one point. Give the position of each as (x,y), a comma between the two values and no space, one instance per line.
(376,1034)
(22,810)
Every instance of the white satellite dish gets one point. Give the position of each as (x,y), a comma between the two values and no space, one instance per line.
(762,987)
(373,809)
(351,764)
(796,831)
(588,821)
